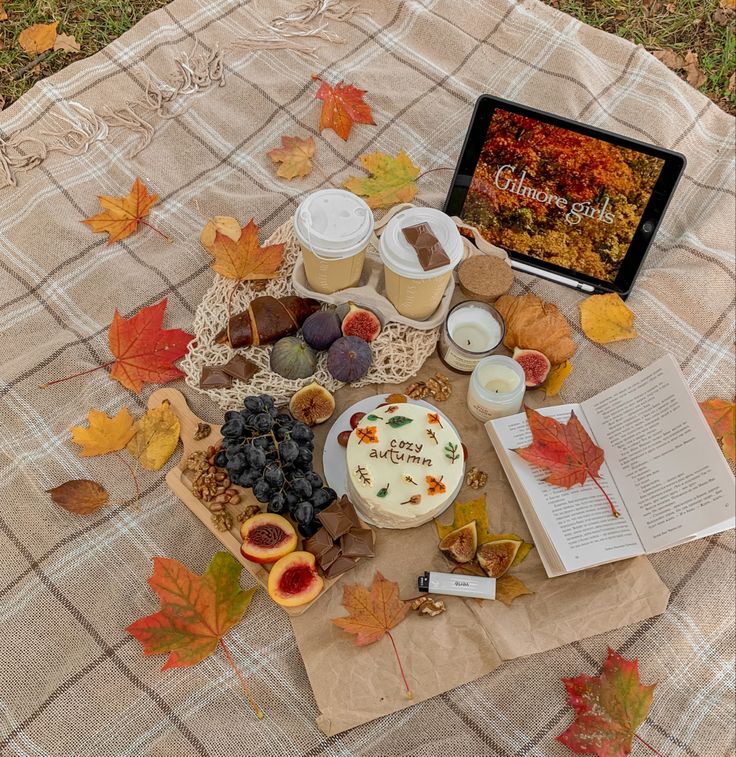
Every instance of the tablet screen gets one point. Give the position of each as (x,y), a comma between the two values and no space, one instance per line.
(557,195)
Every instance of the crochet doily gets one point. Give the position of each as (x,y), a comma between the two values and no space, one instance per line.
(399,351)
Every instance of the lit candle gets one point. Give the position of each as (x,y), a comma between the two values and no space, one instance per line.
(471,332)
(496,388)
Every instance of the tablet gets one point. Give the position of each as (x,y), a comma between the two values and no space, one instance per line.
(569,202)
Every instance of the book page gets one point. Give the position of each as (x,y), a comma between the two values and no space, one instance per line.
(663,456)
(578,520)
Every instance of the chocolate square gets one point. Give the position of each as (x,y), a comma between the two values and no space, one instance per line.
(329,557)
(429,250)
(341,565)
(339,517)
(319,543)
(213,377)
(357,542)
(240,368)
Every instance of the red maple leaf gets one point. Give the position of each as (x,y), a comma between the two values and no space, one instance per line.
(343,105)
(565,450)
(608,709)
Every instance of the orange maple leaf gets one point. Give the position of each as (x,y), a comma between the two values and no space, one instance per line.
(565,450)
(143,350)
(295,157)
(104,434)
(373,614)
(122,215)
(196,612)
(246,260)
(721,417)
(367,434)
(343,105)
(435,486)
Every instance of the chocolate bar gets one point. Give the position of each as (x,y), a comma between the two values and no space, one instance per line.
(357,542)
(319,543)
(339,517)
(240,368)
(213,377)
(429,250)
(341,565)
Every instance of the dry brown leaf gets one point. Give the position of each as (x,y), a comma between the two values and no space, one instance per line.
(693,74)
(295,157)
(534,324)
(727,5)
(3,12)
(225,225)
(732,82)
(670,59)
(67,43)
(508,588)
(38,38)
(82,496)
(605,318)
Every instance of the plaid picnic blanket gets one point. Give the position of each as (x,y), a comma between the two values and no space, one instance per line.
(72,681)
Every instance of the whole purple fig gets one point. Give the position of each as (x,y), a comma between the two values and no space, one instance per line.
(349,359)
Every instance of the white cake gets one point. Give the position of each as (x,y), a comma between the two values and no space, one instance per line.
(405,465)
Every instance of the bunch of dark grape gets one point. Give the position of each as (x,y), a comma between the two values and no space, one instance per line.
(270,452)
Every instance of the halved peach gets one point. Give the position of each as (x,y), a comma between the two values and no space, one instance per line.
(294,580)
(267,537)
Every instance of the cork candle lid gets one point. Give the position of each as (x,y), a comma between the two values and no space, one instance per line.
(484,277)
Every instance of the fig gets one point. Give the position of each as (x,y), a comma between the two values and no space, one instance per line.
(349,359)
(535,364)
(361,322)
(496,557)
(343,438)
(293,359)
(460,545)
(312,404)
(294,580)
(321,329)
(267,537)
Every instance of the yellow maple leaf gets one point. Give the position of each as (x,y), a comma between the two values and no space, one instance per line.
(122,215)
(556,378)
(38,38)
(393,180)
(245,259)
(605,318)
(225,225)
(464,513)
(508,588)
(104,434)
(156,435)
(295,157)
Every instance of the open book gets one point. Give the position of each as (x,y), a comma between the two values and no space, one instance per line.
(663,470)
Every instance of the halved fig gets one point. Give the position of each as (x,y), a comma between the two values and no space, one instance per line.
(535,364)
(496,557)
(312,404)
(362,323)
(267,537)
(460,545)
(294,580)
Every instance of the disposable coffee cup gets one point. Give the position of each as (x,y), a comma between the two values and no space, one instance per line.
(414,292)
(333,227)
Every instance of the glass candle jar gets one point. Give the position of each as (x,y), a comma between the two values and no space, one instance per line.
(496,388)
(471,332)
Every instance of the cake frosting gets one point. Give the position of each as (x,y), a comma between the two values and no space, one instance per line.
(405,465)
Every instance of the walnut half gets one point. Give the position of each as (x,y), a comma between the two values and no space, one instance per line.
(476,479)
(428,606)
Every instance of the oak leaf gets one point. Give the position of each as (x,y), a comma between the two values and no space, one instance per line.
(67,43)
(156,436)
(608,709)
(143,350)
(464,513)
(81,496)
(38,38)
(342,106)
(122,215)
(103,434)
(693,73)
(721,417)
(245,259)
(393,180)
(196,612)
(225,225)
(508,588)
(565,450)
(3,14)
(670,58)
(373,614)
(295,157)
(556,378)
(605,318)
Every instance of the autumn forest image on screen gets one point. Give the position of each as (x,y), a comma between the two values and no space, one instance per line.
(557,195)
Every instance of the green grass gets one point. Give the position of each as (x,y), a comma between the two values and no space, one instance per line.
(681,25)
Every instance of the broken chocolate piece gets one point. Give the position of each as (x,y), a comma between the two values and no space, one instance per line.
(339,517)
(341,565)
(319,543)
(429,250)
(213,377)
(357,542)
(329,557)
(240,368)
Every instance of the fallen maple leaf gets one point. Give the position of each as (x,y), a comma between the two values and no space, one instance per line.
(81,496)
(721,417)
(693,73)
(342,106)
(196,612)
(565,450)
(464,513)
(508,588)
(3,12)
(103,434)
(38,38)
(225,225)
(246,260)
(122,215)
(295,157)
(155,437)
(670,59)
(608,709)
(393,180)
(605,318)
(67,43)
(373,614)
(556,378)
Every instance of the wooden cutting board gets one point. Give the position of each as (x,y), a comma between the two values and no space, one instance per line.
(180,485)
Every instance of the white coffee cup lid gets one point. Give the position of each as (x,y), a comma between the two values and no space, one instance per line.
(398,255)
(333,223)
